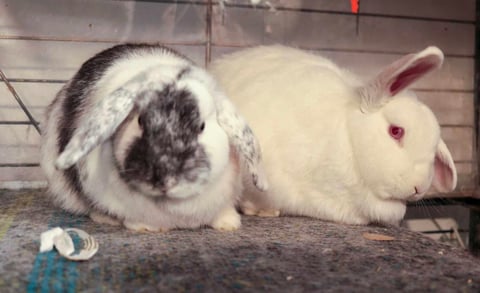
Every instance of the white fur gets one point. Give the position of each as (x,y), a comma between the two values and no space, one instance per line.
(215,203)
(324,156)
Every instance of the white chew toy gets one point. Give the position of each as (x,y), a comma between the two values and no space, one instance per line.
(62,241)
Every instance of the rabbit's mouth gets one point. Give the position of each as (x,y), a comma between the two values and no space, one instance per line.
(417,193)
(147,189)
(415,197)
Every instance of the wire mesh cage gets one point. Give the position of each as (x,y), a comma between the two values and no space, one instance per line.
(42,43)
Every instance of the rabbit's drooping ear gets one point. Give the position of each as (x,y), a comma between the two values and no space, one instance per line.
(445,176)
(102,121)
(398,76)
(244,141)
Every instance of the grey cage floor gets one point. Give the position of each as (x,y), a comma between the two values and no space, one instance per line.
(287,254)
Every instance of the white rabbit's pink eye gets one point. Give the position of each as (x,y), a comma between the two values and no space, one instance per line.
(396,132)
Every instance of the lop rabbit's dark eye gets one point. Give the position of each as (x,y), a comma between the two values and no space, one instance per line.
(396,132)
(202,127)
(140,121)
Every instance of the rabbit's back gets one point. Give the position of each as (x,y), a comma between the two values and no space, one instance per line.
(287,95)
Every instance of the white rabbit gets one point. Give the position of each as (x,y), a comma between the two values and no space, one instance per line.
(336,148)
(142,136)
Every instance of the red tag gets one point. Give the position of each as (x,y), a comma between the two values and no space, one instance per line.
(354,4)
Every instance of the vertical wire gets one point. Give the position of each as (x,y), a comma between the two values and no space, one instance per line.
(208,33)
(474,217)
(357,24)
(476,98)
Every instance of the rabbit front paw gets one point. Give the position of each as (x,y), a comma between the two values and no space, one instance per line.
(227,220)
(142,227)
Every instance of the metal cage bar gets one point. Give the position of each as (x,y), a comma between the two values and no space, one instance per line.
(22,105)
(474,220)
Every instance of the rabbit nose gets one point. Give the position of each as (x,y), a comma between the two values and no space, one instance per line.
(418,194)
(170,182)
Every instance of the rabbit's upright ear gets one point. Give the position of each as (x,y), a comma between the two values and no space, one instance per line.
(398,76)
(102,121)
(445,176)
(242,138)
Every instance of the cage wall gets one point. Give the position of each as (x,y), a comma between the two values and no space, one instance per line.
(42,44)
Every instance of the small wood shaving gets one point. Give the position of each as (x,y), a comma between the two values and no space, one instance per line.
(377,237)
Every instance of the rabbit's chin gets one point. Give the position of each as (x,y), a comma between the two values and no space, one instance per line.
(147,189)
(404,199)
(391,209)
(386,211)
